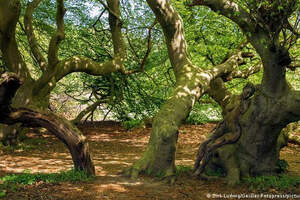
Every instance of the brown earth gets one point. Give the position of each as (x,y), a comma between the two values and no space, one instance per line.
(114,149)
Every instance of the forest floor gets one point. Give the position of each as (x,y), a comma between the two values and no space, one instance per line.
(113,149)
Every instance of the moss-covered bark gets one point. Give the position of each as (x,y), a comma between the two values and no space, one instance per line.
(256,152)
(268,111)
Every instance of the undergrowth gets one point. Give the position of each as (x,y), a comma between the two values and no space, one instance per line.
(135,123)
(12,182)
(281,182)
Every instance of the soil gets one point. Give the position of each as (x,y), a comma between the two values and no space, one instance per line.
(114,149)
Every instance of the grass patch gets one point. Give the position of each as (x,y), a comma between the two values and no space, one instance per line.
(28,179)
(27,144)
(282,182)
(12,182)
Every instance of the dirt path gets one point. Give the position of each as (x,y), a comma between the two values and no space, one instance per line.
(114,149)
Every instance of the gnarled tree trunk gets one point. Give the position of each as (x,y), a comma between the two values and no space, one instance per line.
(256,122)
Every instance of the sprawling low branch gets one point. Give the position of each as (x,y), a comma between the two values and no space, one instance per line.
(61,128)
(32,41)
(77,64)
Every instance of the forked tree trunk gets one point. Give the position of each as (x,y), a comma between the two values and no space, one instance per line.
(60,127)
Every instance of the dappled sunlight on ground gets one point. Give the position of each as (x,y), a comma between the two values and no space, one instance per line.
(113,149)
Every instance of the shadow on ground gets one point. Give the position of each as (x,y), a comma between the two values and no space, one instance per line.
(114,149)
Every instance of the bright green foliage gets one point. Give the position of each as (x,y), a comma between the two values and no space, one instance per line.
(211,39)
(14,181)
(205,112)
(283,182)
(28,179)
(133,124)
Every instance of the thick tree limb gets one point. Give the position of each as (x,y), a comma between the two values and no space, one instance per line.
(173,30)
(9,15)
(230,10)
(245,73)
(219,92)
(76,64)
(116,28)
(33,44)
(61,128)
(111,11)
(58,36)
(83,64)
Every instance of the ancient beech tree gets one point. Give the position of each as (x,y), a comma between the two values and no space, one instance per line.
(34,94)
(191,83)
(245,143)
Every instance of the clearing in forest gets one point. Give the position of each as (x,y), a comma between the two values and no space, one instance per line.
(113,149)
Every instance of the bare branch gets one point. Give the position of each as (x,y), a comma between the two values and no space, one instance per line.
(144,60)
(89,109)
(98,19)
